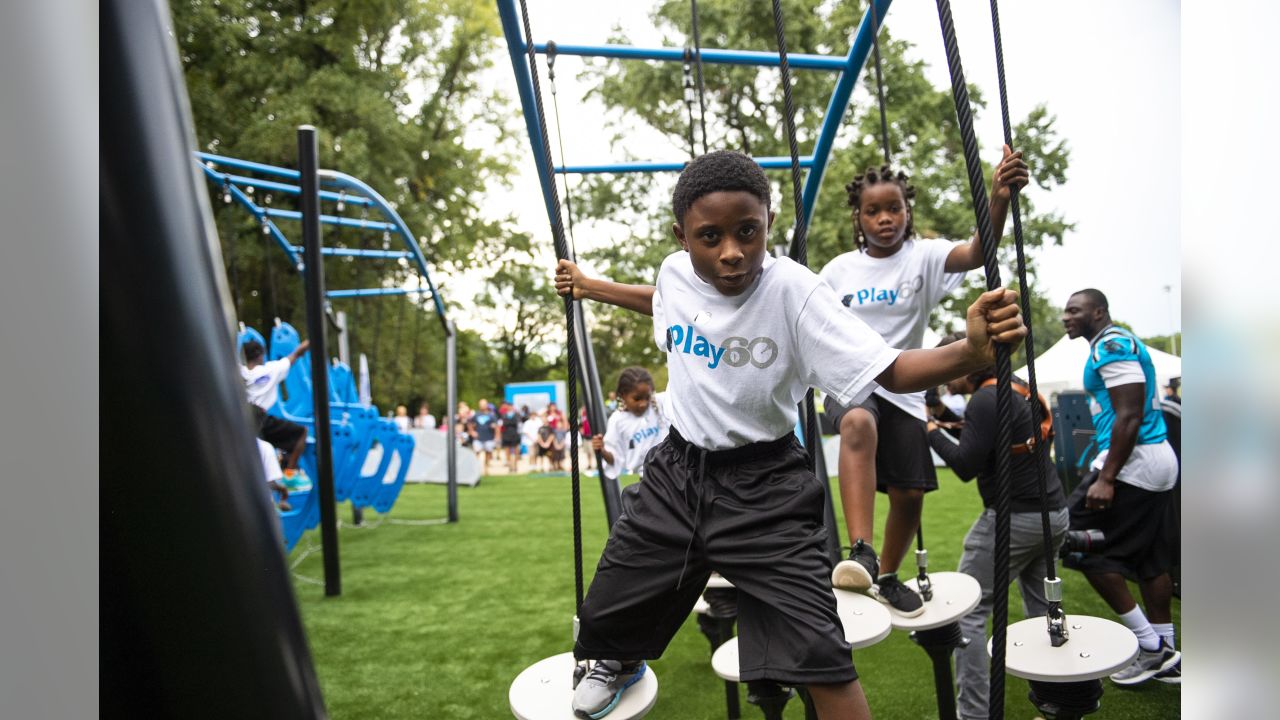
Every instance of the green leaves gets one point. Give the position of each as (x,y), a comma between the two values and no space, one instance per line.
(256,69)
(744,112)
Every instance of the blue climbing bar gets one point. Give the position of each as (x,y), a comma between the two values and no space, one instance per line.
(854,63)
(768,163)
(376,292)
(709,56)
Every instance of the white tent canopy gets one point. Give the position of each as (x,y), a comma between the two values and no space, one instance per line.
(1062,366)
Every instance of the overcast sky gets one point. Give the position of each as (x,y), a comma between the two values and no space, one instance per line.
(1113,84)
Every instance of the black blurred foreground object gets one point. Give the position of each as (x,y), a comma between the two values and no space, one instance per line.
(197,616)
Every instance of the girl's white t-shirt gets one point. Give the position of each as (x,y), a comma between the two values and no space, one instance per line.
(894,296)
(738,365)
(629,437)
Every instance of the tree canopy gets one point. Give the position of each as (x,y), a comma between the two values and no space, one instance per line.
(393,89)
(745,112)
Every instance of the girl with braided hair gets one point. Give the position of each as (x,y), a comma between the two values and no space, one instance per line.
(892,281)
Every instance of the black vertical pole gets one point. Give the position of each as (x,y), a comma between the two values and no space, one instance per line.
(308,162)
(451,402)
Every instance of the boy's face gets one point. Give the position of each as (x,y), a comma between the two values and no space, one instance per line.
(725,233)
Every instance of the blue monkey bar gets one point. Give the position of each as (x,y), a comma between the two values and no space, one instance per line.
(768,163)
(850,67)
(342,188)
(714,57)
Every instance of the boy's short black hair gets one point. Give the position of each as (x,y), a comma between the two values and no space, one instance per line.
(253,350)
(715,172)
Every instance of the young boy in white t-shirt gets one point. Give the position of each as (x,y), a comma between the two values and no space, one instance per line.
(731,489)
(636,428)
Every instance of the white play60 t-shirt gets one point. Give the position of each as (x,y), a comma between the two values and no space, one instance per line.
(738,365)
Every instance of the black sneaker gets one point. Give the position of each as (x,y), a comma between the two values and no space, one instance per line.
(858,573)
(900,598)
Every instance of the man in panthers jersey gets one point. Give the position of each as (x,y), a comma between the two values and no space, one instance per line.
(1128,495)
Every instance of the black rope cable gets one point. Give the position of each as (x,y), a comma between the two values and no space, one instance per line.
(396,387)
(688,100)
(884,121)
(571,345)
(419,309)
(555,106)
(355,283)
(697,60)
(376,351)
(1040,447)
(271,273)
(799,239)
(229,238)
(1004,370)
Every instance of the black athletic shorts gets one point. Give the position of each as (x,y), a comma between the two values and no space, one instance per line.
(282,434)
(755,515)
(1139,542)
(903,459)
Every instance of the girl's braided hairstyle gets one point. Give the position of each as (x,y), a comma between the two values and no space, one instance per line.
(631,377)
(872,177)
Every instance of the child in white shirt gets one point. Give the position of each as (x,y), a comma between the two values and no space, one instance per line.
(637,427)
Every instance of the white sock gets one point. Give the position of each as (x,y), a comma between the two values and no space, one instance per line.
(1136,621)
(1165,631)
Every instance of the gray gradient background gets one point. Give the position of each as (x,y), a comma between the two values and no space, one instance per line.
(49,380)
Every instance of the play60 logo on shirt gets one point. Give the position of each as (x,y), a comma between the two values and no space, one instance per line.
(888,296)
(735,351)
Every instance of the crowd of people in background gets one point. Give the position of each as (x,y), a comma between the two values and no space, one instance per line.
(519,438)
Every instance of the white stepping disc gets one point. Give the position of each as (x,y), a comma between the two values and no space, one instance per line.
(724,661)
(544,691)
(717,581)
(954,595)
(866,621)
(1095,648)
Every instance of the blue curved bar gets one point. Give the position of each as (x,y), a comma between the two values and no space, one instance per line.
(348,189)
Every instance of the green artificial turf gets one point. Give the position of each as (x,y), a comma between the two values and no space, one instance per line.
(435,621)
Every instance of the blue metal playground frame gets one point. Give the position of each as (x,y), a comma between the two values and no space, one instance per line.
(339,187)
(850,68)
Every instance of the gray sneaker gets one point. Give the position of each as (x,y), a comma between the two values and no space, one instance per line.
(1148,664)
(599,692)
(859,572)
(1173,675)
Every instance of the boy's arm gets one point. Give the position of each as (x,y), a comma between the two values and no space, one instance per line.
(1011,172)
(994,317)
(569,277)
(297,352)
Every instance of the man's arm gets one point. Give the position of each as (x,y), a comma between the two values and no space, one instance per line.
(1011,172)
(968,456)
(1126,400)
(632,297)
(994,317)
